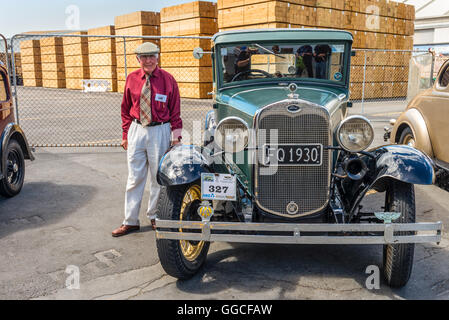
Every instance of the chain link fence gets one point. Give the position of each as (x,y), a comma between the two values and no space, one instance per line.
(72,85)
(389,77)
(69,88)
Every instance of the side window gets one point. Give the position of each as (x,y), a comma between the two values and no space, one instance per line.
(3,89)
(444,80)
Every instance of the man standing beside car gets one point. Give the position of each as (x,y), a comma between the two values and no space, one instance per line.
(151,122)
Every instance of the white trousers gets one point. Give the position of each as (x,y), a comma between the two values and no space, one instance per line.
(146,146)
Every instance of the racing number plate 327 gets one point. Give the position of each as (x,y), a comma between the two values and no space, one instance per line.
(293,154)
(216,186)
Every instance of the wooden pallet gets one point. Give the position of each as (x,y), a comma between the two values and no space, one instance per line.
(46,58)
(53,66)
(102,45)
(175,45)
(33,59)
(196,9)
(103,72)
(77,72)
(32,82)
(77,61)
(131,61)
(102,59)
(31,67)
(75,40)
(184,59)
(53,75)
(195,90)
(137,18)
(53,83)
(191,74)
(190,27)
(76,49)
(141,30)
(74,84)
(51,42)
(101,31)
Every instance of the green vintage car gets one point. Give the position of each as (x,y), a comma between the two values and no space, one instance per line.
(281,162)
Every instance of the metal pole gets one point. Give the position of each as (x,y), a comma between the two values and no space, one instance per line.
(14,81)
(432,67)
(8,66)
(364,83)
(124,49)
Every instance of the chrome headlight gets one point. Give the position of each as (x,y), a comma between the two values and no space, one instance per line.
(355,134)
(232,134)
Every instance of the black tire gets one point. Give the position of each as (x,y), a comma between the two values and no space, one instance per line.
(171,253)
(398,258)
(14,174)
(406,134)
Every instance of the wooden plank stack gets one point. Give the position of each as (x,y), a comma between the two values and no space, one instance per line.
(76,58)
(375,24)
(199,18)
(140,23)
(52,57)
(18,64)
(102,56)
(30,52)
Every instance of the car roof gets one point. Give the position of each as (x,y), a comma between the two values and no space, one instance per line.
(282,34)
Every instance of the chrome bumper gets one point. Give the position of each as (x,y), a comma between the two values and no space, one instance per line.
(345,233)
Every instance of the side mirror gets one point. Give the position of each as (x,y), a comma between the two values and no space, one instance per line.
(198,53)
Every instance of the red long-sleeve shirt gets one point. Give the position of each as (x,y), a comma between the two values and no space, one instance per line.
(165,87)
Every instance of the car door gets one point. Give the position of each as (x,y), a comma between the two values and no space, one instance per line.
(5,100)
(435,109)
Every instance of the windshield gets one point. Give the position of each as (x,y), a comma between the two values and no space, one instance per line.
(249,61)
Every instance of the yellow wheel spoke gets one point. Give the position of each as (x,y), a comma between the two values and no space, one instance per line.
(190,251)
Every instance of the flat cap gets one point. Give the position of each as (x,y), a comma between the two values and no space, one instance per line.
(147,48)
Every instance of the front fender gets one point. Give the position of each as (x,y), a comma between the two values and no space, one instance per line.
(13,131)
(181,165)
(413,119)
(399,162)
(403,163)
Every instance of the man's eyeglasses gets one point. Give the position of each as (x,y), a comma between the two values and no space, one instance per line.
(147,57)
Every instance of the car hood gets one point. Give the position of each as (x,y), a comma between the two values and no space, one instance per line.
(250,99)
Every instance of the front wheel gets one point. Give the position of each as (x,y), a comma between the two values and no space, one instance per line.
(181,259)
(398,258)
(407,137)
(14,174)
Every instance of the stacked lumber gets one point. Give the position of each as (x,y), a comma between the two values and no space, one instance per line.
(199,18)
(30,52)
(18,64)
(52,57)
(76,58)
(102,56)
(140,23)
(375,24)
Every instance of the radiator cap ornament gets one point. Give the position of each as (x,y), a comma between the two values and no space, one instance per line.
(292,207)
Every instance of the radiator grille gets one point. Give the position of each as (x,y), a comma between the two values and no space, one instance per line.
(307,186)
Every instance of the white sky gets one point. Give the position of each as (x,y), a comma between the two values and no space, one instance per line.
(41,15)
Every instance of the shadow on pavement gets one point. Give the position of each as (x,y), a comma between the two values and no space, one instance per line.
(41,204)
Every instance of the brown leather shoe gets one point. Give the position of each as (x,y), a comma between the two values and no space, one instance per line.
(153,224)
(124,229)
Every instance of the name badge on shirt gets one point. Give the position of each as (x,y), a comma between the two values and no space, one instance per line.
(160,97)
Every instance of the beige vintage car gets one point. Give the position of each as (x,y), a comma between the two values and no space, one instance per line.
(425,125)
